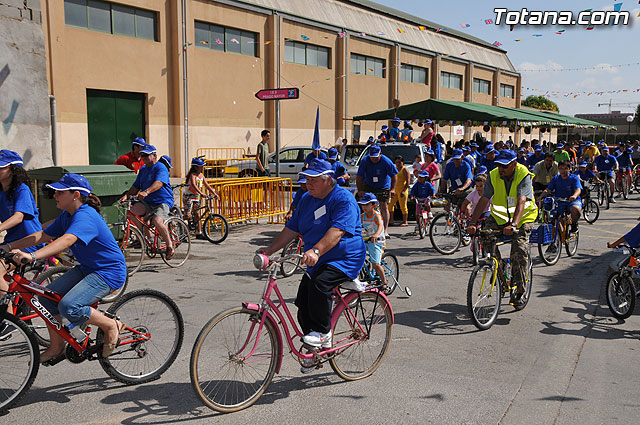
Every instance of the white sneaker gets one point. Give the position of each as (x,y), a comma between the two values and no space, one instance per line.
(429,215)
(354,285)
(317,339)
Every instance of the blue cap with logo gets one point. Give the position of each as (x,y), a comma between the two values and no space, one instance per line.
(302,178)
(332,153)
(166,159)
(537,148)
(318,167)
(375,151)
(368,197)
(198,162)
(466,149)
(506,157)
(582,164)
(148,149)
(488,150)
(139,141)
(8,157)
(482,169)
(629,150)
(396,119)
(385,127)
(71,181)
(560,145)
(457,154)
(430,152)
(605,148)
(370,139)
(423,173)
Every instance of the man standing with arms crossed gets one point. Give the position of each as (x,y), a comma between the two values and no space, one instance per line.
(513,210)
(377,174)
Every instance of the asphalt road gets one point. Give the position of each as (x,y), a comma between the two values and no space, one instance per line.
(562,360)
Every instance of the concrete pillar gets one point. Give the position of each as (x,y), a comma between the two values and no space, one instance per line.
(394,75)
(435,77)
(468,94)
(495,94)
(519,91)
(342,75)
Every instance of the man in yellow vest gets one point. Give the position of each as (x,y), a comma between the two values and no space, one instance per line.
(513,210)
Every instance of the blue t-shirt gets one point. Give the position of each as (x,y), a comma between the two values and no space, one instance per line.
(457,175)
(297,197)
(147,176)
(587,175)
(22,201)
(624,161)
(378,175)
(489,163)
(422,191)
(437,150)
(312,156)
(405,132)
(339,209)
(394,133)
(533,160)
(564,188)
(522,160)
(605,164)
(633,237)
(338,169)
(469,160)
(96,249)
(475,155)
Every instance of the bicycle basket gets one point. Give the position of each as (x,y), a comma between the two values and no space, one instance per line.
(542,234)
(549,203)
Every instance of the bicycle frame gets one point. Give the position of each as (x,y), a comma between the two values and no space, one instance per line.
(134,220)
(289,325)
(16,299)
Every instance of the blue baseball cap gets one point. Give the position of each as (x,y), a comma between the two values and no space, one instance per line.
(521,150)
(385,127)
(167,160)
(332,153)
(474,145)
(368,197)
(139,141)
(560,145)
(71,181)
(537,148)
(506,157)
(482,169)
(488,150)
(582,164)
(423,173)
(427,121)
(197,162)
(629,150)
(148,149)
(318,167)
(370,139)
(8,157)
(605,148)
(375,151)
(457,154)
(430,152)
(587,143)
(396,119)
(302,179)
(466,149)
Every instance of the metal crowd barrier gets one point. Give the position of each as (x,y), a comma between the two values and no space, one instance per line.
(221,161)
(221,153)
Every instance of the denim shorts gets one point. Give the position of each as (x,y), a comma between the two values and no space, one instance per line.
(375,252)
(564,205)
(78,292)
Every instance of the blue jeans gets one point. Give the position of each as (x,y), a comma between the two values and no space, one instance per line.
(78,292)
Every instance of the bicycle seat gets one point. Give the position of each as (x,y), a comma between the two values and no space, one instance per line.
(353,285)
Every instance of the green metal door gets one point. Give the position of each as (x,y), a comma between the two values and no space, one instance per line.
(114,120)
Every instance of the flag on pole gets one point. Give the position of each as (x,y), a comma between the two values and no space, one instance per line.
(316,132)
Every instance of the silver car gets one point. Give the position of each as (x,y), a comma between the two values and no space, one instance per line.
(291,163)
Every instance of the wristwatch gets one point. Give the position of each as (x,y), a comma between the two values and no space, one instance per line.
(513,224)
(316,251)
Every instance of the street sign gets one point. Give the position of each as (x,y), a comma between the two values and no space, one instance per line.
(278,94)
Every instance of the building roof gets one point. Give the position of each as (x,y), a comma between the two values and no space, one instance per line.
(384,23)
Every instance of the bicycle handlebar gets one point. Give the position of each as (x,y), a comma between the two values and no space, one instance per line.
(262,262)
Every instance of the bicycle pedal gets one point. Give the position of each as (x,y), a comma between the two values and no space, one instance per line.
(54,361)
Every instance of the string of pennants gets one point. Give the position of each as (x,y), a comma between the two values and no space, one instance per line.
(575,94)
(513,124)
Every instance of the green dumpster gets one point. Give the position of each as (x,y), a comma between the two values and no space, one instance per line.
(108,182)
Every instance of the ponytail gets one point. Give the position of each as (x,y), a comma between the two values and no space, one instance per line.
(92,200)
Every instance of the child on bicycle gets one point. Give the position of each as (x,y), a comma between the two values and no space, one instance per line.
(631,238)
(471,202)
(422,191)
(166,161)
(196,181)
(373,230)
(302,181)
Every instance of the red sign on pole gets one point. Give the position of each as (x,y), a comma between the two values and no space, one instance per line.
(278,94)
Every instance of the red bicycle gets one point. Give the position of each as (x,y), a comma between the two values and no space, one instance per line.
(148,345)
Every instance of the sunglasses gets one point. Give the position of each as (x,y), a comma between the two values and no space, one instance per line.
(503,166)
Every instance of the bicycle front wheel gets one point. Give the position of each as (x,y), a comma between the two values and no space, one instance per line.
(621,295)
(151,340)
(571,243)
(132,246)
(179,234)
(475,250)
(445,234)
(215,228)
(550,253)
(591,211)
(232,361)
(422,226)
(483,296)
(287,268)
(366,325)
(625,187)
(391,269)
(601,194)
(19,361)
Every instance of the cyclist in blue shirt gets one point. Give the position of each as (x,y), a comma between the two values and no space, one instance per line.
(18,211)
(466,152)
(423,191)
(394,131)
(537,156)
(316,153)
(566,185)
(625,163)
(340,172)
(585,174)
(488,158)
(459,177)
(631,238)
(474,151)
(152,190)
(328,218)
(101,270)
(605,165)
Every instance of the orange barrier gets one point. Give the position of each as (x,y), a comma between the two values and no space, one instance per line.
(221,153)
(221,161)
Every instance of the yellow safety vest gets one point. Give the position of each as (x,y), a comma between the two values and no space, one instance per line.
(502,210)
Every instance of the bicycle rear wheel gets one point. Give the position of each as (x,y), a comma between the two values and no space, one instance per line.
(179,234)
(151,340)
(445,234)
(621,295)
(231,363)
(215,228)
(132,246)
(391,269)
(571,243)
(19,361)
(287,268)
(591,211)
(483,296)
(371,332)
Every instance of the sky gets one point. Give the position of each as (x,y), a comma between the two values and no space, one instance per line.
(603,48)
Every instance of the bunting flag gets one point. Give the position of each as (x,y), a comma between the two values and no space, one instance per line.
(267,42)
(342,35)
(233,40)
(362,34)
(488,21)
(400,31)
(518,39)
(204,42)
(497,43)
(463,53)
(370,69)
(465,25)
(316,131)
(560,32)
(589,28)
(537,35)
(218,41)
(381,33)
(421,28)
(442,29)
(305,38)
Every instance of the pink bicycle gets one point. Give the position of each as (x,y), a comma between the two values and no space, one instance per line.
(237,353)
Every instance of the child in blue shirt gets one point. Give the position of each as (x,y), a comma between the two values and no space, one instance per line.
(373,228)
(422,191)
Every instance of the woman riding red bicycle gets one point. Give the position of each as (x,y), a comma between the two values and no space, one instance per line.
(101,268)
